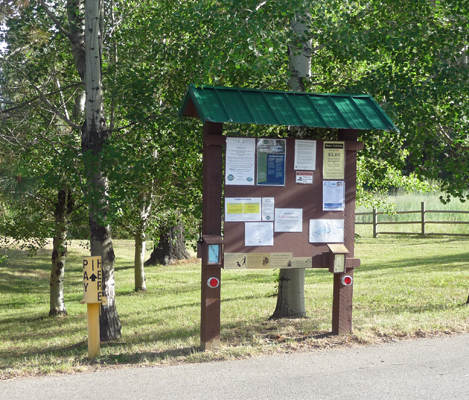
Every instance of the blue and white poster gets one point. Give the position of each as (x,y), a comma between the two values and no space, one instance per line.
(271,162)
(333,196)
(326,231)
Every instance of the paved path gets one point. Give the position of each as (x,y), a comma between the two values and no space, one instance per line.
(421,369)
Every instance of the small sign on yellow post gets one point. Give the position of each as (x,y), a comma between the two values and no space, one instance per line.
(93,296)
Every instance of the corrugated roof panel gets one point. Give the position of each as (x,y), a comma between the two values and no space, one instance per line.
(330,112)
(308,112)
(232,102)
(209,106)
(352,113)
(373,112)
(269,107)
(282,109)
(260,108)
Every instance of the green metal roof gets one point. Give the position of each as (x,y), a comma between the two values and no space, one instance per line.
(269,107)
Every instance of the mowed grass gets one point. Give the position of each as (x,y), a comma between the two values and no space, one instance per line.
(406,287)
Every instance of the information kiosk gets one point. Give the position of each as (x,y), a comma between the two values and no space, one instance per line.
(285,202)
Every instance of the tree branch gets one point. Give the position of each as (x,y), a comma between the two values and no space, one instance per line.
(448,139)
(55,109)
(34,99)
(57,23)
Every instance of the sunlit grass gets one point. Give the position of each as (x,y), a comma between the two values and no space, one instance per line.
(405,288)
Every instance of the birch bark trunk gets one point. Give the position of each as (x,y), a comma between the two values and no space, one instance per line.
(139,260)
(85,18)
(94,135)
(63,212)
(291,285)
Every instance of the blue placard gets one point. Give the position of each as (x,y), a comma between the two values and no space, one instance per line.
(213,253)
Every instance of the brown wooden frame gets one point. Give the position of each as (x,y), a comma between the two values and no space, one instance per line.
(213,142)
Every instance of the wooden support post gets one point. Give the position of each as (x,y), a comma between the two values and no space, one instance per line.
(93,329)
(211,225)
(375,222)
(422,218)
(342,305)
(343,295)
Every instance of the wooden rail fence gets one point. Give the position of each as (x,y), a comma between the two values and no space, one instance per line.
(423,221)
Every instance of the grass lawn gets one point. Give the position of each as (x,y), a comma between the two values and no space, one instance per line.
(407,287)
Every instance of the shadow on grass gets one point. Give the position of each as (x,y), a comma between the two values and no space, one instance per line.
(428,264)
(19,328)
(304,331)
(411,309)
(123,268)
(20,284)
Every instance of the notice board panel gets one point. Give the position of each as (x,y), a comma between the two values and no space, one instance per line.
(297,194)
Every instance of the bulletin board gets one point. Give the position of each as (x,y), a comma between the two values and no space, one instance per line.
(311,207)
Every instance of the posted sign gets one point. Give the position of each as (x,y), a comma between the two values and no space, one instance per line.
(92,280)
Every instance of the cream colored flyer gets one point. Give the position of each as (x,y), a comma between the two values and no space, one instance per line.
(333,166)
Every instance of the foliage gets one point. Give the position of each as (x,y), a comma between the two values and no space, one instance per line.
(412,56)
(37,148)
(413,62)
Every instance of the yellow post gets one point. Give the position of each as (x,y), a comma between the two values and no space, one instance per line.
(93,296)
(93,329)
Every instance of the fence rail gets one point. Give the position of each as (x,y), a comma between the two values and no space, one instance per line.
(423,222)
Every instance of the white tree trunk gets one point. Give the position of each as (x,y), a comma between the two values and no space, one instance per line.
(300,55)
(63,211)
(291,286)
(139,262)
(85,35)
(94,134)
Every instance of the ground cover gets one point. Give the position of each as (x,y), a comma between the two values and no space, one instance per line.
(407,287)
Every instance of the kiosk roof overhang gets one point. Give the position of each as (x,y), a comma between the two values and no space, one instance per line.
(270,107)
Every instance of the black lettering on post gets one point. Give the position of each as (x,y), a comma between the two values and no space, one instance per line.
(85,263)
(99,296)
(85,276)
(86,286)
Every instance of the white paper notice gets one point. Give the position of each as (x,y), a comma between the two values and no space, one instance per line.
(240,161)
(242,209)
(288,220)
(305,155)
(333,196)
(304,177)
(268,207)
(326,230)
(259,234)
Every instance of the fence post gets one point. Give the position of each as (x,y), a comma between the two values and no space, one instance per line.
(375,222)
(422,217)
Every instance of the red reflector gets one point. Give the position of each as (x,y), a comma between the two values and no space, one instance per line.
(213,282)
(347,280)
